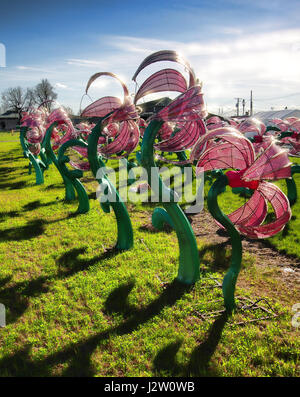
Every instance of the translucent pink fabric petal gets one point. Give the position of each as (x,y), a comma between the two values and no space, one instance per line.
(186,107)
(213,120)
(238,143)
(126,139)
(295,125)
(79,164)
(102,107)
(125,112)
(252,125)
(273,163)
(252,213)
(164,80)
(119,142)
(96,75)
(295,151)
(166,55)
(282,210)
(133,138)
(222,156)
(184,139)
(282,124)
(291,119)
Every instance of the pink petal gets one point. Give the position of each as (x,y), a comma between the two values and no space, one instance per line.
(184,139)
(282,210)
(96,75)
(166,55)
(102,107)
(252,213)
(238,144)
(187,107)
(164,80)
(273,163)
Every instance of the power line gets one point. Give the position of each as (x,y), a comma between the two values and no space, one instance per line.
(279,97)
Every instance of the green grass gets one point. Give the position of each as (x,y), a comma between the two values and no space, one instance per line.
(76,307)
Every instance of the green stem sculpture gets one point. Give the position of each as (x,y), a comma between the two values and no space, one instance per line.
(231,276)
(74,175)
(125,231)
(38,165)
(189,265)
(69,188)
(291,185)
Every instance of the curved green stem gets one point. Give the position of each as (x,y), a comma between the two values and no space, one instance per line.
(34,161)
(285,134)
(125,231)
(69,188)
(74,175)
(291,185)
(231,276)
(189,265)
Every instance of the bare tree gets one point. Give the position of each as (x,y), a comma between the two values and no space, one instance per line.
(68,110)
(17,100)
(44,92)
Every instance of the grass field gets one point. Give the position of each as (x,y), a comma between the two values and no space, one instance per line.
(77,307)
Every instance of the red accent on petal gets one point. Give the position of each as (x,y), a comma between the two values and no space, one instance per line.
(235,180)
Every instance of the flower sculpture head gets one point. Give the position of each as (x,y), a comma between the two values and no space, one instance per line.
(289,133)
(214,122)
(120,134)
(35,121)
(236,152)
(256,131)
(63,132)
(183,117)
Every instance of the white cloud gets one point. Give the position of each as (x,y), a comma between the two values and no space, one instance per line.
(86,62)
(60,85)
(267,63)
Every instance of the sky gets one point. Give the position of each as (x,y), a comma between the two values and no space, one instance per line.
(234,46)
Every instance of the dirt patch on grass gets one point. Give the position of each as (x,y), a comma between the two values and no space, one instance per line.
(268,260)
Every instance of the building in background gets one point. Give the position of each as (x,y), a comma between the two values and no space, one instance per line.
(9,121)
(277,114)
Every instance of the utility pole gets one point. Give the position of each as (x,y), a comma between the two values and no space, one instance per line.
(251,104)
(238,105)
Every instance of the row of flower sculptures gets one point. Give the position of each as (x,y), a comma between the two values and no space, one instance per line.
(247,148)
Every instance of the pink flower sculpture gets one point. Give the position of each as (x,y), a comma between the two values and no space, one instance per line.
(183,116)
(121,132)
(66,131)
(234,151)
(35,120)
(290,124)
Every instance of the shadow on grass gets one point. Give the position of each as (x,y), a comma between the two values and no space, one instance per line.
(166,364)
(13,186)
(9,214)
(27,207)
(5,171)
(149,228)
(201,356)
(32,229)
(54,186)
(78,355)
(92,196)
(69,263)
(16,297)
(215,256)
(33,205)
